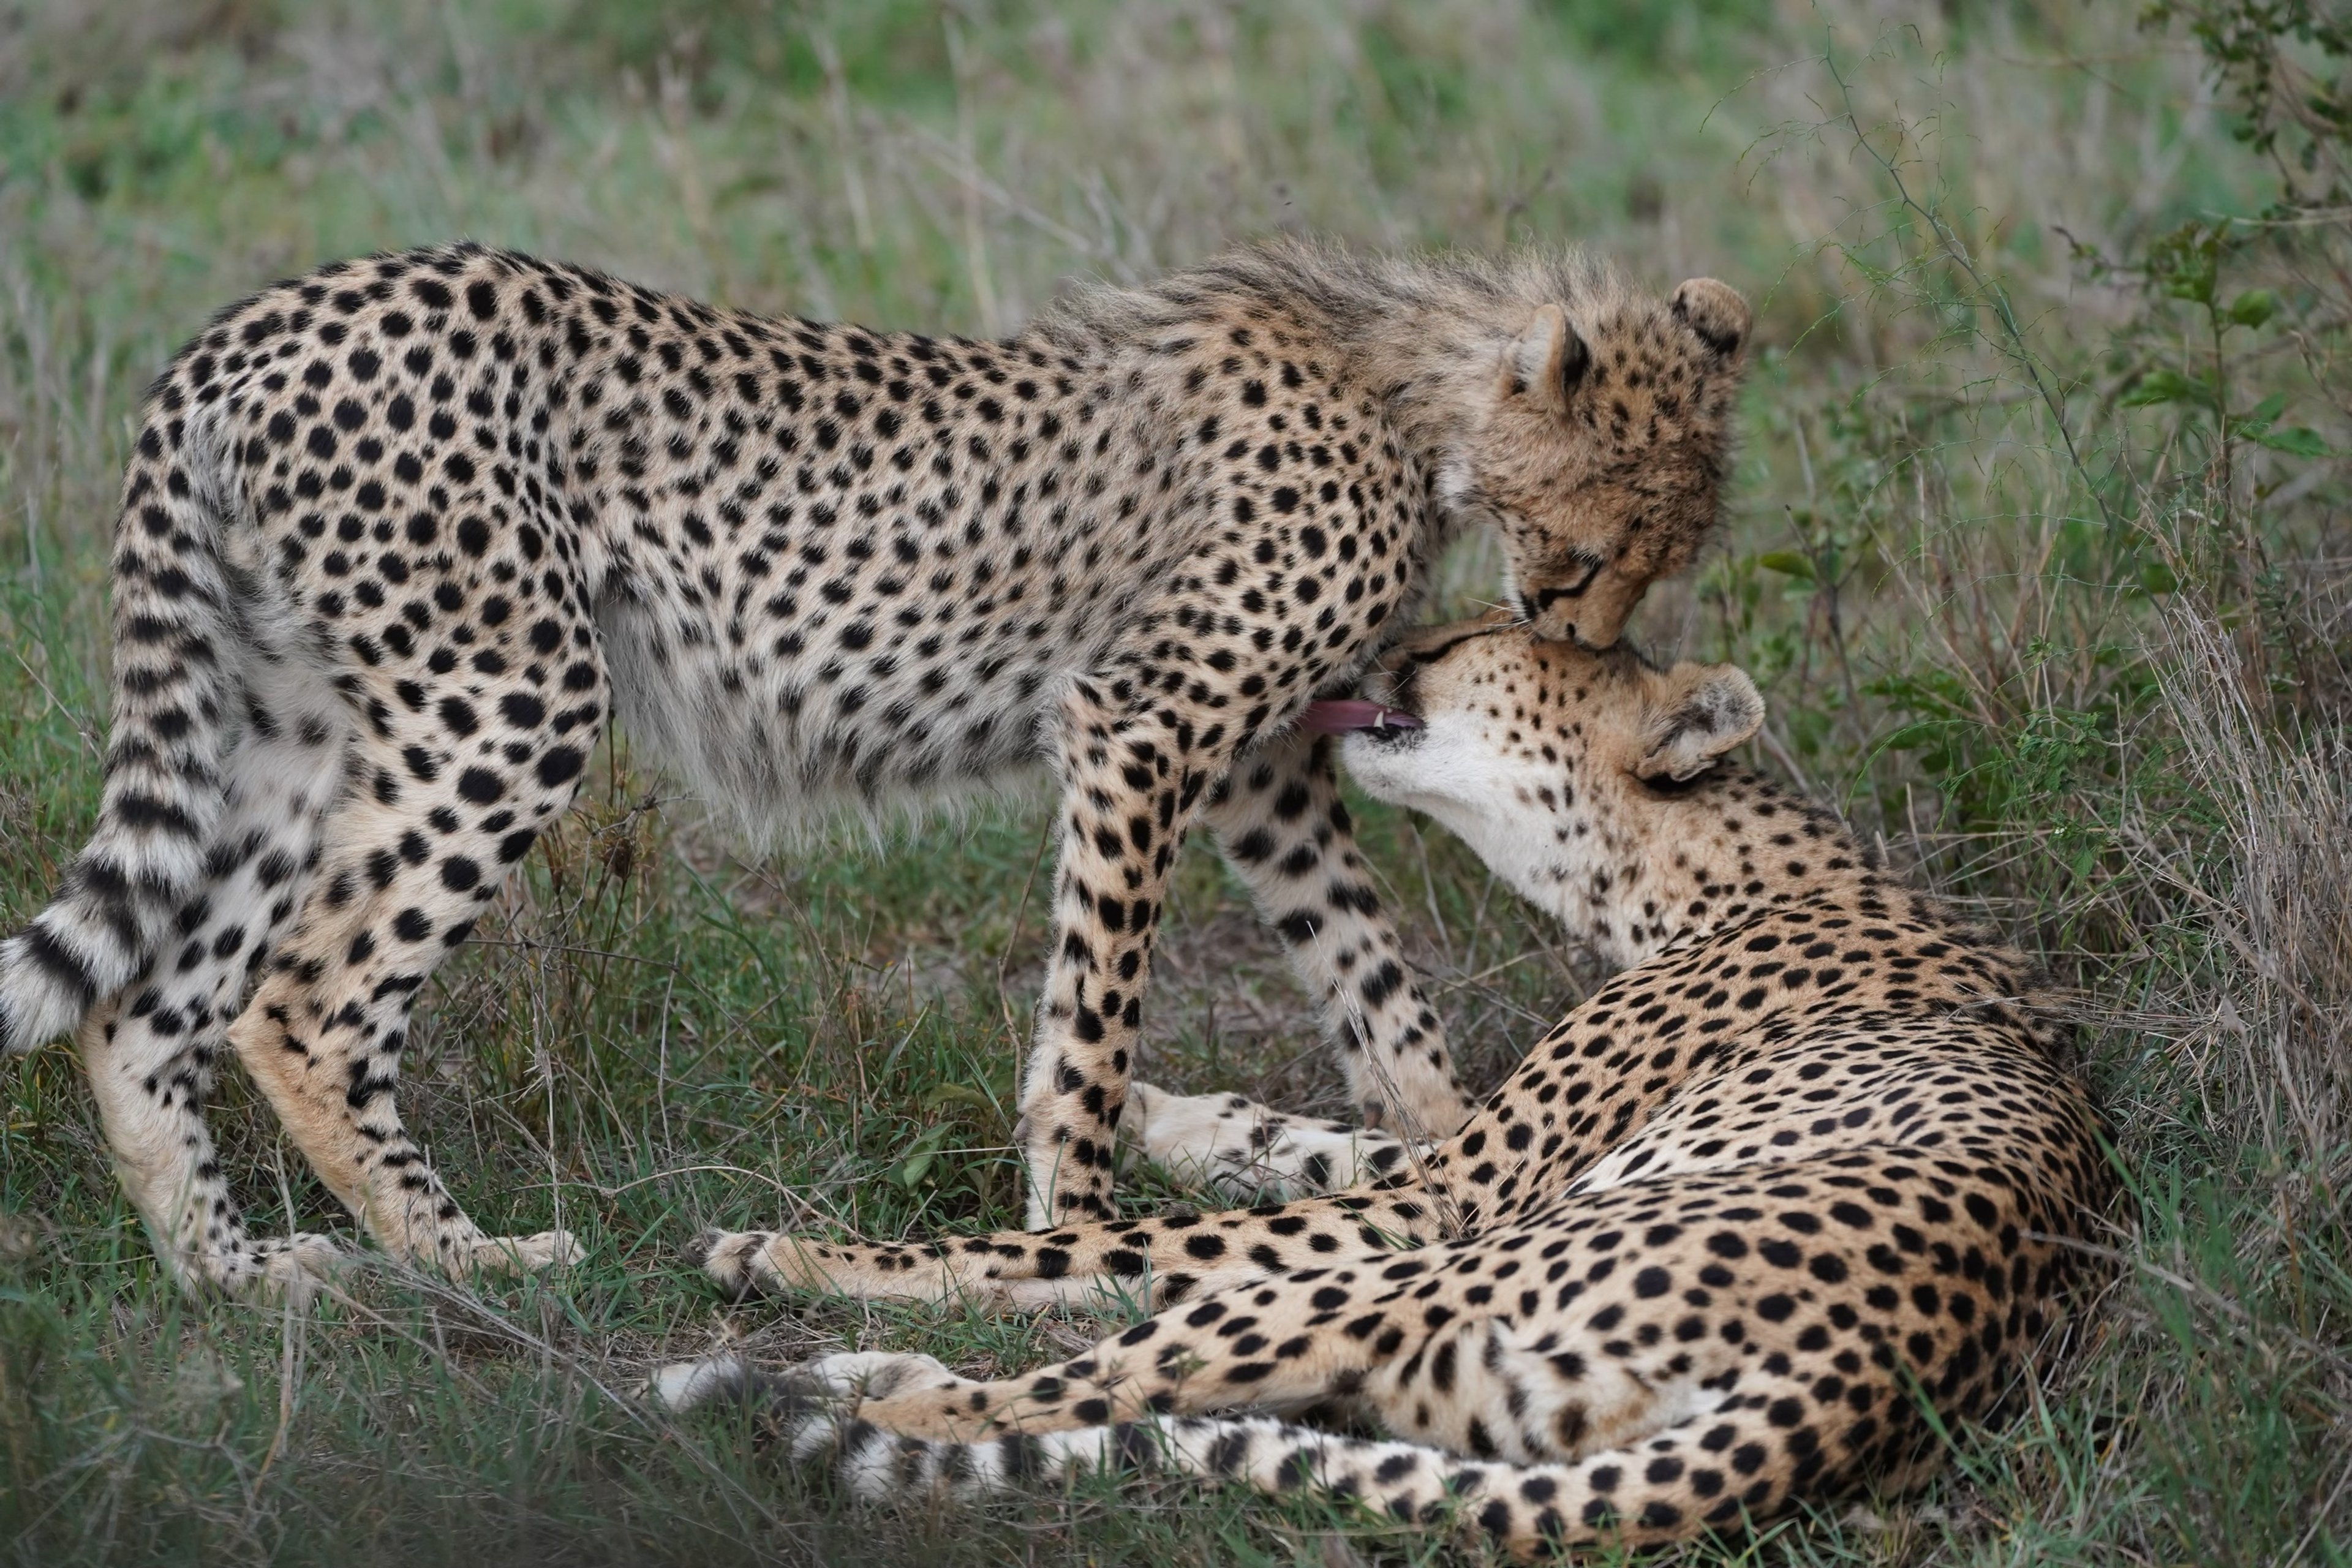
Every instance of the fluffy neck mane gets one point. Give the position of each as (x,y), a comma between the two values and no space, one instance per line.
(1427,333)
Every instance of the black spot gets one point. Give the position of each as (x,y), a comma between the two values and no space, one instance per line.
(561,765)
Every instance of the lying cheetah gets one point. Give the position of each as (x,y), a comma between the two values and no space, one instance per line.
(1802,1174)
(395,534)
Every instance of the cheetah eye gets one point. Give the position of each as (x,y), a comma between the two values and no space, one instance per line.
(1532,607)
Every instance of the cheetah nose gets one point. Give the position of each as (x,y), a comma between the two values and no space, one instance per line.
(1557,623)
(1594,634)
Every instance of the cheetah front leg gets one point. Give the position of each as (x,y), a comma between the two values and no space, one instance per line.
(1234,1145)
(1286,832)
(1132,776)
(1162,1258)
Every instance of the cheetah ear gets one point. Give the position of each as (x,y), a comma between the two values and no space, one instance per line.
(1548,360)
(1714,310)
(1696,713)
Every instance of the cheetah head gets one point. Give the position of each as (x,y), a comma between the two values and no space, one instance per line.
(1573,772)
(1600,451)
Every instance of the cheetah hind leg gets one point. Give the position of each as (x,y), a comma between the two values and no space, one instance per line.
(408,865)
(163,1157)
(150,1052)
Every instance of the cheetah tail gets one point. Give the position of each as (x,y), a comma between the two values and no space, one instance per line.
(178,646)
(1627,1496)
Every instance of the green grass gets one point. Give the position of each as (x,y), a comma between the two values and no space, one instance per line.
(2098,693)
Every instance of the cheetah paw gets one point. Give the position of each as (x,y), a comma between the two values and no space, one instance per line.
(526,1254)
(836,1382)
(291,1269)
(688,1384)
(735,1260)
(1244,1150)
(852,1375)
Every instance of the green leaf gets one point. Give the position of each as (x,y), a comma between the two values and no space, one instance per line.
(2298,441)
(2156,578)
(2267,411)
(2187,262)
(1788,562)
(960,1094)
(1919,736)
(2252,308)
(2162,386)
(911,1170)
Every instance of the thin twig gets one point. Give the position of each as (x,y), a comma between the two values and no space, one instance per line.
(1957,254)
(2192,1289)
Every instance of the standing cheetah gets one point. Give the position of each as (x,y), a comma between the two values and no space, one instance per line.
(1802,1175)
(396,536)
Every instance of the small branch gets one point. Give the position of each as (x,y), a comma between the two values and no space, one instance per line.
(1957,254)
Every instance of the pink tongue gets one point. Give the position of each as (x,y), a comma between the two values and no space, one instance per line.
(1340,715)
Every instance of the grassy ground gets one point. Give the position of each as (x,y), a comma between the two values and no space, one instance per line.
(2068,644)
